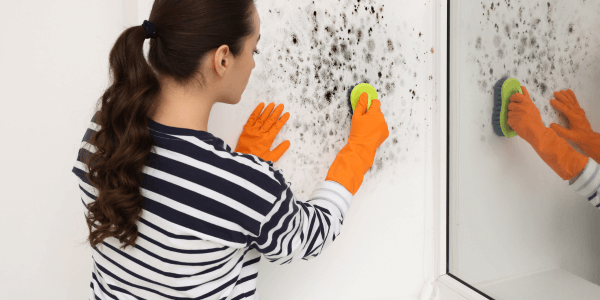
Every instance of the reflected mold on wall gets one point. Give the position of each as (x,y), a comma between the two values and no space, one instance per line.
(537,42)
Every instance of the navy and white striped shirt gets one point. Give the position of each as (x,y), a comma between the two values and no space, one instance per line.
(209,213)
(588,183)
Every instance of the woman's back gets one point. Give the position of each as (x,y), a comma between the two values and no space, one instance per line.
(208,214)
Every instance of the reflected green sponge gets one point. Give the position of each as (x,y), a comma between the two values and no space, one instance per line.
(503,90)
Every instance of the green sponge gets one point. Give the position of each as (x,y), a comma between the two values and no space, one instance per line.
(503,90)
(355,91)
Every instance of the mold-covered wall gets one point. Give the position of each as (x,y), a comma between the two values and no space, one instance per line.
(549,45)
(512,214)
(311,53)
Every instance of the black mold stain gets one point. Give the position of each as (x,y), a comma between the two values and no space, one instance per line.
(543,87)
(390,45)
(328,96)
(321,61)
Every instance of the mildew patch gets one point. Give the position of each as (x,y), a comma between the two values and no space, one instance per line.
(541,43)
(312,53)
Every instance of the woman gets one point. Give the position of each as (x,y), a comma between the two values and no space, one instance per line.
(550,144)
(172,211)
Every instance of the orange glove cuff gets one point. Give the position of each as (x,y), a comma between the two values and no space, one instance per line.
(350,165)
(591,146)
(558,154)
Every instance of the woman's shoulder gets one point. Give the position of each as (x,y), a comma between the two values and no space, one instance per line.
(212,154)
(213,183)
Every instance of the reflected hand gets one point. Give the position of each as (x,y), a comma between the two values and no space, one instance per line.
(260,132)
(523,116)
(525,119)
(579,130)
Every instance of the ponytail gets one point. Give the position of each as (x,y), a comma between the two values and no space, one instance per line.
(123,142)
(186,30)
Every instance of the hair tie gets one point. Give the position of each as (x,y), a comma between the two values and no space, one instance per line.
(150,29)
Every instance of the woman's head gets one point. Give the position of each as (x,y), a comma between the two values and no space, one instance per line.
(227,72)
(215,54)
(199,42)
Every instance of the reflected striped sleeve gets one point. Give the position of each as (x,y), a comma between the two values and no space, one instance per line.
(588,183)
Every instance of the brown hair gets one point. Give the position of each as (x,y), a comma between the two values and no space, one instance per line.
(186,31)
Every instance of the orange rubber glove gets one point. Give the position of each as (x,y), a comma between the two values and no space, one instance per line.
(579,130)
(260,131)
(526,121)
(367,131)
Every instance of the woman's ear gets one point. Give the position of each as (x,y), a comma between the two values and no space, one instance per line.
(220,60)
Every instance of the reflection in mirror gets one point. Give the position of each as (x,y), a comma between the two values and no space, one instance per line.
(524,214)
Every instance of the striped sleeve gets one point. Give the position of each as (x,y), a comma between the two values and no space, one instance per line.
(588,183)
(294,229)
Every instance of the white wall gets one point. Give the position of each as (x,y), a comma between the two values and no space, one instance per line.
(54,65)
(513,215)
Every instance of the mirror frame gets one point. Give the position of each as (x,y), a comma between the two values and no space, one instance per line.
(446,285)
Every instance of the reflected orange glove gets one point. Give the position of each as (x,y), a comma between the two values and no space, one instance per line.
(260,131)
(579,130)
(526,121)
(367,131)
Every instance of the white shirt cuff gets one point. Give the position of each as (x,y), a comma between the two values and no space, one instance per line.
(333,192)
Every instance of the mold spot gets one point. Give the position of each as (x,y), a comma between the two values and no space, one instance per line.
(328,96)
(390,45)
(543,88)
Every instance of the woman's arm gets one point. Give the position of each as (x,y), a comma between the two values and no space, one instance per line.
(295,229)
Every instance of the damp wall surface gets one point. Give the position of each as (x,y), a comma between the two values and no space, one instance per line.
(513,214)
(311,52)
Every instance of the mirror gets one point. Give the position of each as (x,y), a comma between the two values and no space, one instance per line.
(516,229)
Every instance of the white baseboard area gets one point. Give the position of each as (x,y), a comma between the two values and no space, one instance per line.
(556,284)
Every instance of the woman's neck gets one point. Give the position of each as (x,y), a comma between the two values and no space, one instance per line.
(184,108)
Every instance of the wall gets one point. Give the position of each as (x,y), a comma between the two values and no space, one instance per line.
(54,62)
(513,215)
(381,252)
